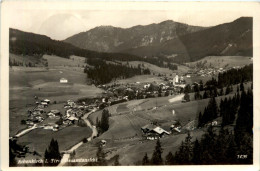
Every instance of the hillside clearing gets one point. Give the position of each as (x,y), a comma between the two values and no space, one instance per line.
(222,61)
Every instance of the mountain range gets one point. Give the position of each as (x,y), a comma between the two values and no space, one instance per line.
(115,39)
(178,41)
(166,41)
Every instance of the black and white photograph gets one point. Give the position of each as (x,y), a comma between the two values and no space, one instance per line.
(130,84)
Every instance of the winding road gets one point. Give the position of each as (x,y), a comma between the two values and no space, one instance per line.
(67,153)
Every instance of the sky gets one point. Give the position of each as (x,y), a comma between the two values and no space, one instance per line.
(60,24)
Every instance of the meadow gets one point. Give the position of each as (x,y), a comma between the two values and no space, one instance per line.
(39,139)
(223,61)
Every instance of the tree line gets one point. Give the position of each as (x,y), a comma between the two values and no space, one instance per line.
(18,63)
(104,73)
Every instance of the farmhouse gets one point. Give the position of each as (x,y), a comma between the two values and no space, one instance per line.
(47,101)
(63,80)
(160,131)
(153,131)
(44,104)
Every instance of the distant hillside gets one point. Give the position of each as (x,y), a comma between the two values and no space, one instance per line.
(30,44)
(35,45)
(229,39)
(114,39)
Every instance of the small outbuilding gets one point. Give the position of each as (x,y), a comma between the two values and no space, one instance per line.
(63,80)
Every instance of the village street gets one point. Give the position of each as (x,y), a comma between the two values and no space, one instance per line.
(94,129)
(67,153)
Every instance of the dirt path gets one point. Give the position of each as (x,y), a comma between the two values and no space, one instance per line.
(26,131)
(67,153)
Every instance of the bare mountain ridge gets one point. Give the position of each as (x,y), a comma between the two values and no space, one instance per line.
(180,42)
(115,39)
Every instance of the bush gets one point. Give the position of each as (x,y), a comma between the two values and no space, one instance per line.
(85,140)
(23,122)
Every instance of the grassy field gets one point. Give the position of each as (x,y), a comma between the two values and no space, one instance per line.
(39,139)
(124,126)
(73,61)
(223,61)
(26,78)
(134,105)
(122,108)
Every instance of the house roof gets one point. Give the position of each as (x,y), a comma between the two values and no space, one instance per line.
(55,111)
(149,126)
(72,118)
(160,130)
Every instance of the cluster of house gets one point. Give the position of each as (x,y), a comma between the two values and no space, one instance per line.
(153,131)
(36,114)
(121,93)
(72,114)
(209,71)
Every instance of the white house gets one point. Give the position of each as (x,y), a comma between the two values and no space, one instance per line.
(176,79)
(47,101)
(63,80)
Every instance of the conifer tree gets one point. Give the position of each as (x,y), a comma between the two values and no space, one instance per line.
(157,154)
(146,160)
(221,92)
(169,159)
(227,90)
(104,123)
(116,162)
(188,149)
(187,97)
(205,95)
(101,161)
(242,88)
(196,158)
(52,154)
(12,160)
(231,150)
(200,122)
